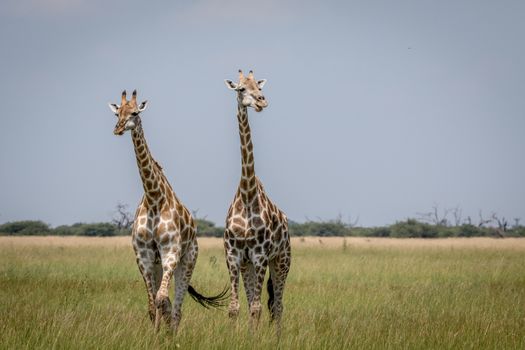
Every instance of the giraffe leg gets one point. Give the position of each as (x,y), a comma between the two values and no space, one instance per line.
(149,271)
(156,277)
(248,277)
(279,268)
(169,259)
(183,274)
(260,265)
(233,262)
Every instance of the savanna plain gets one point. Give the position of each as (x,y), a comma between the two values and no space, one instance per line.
(353,293)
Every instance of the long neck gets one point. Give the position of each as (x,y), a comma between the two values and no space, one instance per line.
(248,185)
(150,172)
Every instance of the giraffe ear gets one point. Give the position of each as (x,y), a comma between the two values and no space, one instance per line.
(114,107)
(260,83)
(143,105)
(231,85)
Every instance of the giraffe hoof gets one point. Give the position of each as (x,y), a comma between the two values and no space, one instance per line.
(151,315)
(233,314)
(163,306)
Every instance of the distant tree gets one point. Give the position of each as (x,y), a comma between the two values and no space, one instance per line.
(206,228)
(457,214)
(482,221)
(434,216)
(502,222)
(122,218)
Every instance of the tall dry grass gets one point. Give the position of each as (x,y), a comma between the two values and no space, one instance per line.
(73,292)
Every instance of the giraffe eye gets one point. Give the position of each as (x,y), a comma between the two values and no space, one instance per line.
(135,114)
(242,89)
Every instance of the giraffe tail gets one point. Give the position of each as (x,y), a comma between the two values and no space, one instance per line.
(216,301)
(269,288)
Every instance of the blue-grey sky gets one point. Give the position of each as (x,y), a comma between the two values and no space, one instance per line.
(377,109)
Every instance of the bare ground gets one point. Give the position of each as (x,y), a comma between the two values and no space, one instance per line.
(297,242)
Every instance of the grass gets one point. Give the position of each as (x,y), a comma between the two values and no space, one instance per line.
(366,293)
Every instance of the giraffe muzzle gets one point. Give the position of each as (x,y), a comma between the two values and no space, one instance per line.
(259,108)
(119,130)
(260,105)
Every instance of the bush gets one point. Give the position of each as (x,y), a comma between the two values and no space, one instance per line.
(413,229)
(101,229)
(25,228)
(467,230)
(323,229)
(207,228)
(518,231)
(379,232)
(410,228)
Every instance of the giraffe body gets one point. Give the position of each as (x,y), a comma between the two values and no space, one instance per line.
(164,232)
(256,235)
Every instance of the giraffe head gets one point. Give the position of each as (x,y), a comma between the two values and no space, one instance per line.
(249,91)
(127,113)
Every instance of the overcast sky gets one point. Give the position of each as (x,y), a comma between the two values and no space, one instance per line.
(377,109)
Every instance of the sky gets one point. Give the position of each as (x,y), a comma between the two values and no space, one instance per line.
(378,110)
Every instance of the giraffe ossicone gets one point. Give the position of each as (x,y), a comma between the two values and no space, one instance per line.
(164,232)
(256,235)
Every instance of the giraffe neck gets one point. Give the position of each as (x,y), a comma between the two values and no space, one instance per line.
(248,185)
(150,172)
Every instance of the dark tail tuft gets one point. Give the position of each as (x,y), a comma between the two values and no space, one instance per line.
(269,288)
(216,301)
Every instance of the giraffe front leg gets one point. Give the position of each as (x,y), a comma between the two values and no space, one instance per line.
(155,279)
(183,273)
(150,289)
(149,271)
(233,309)
(162,300)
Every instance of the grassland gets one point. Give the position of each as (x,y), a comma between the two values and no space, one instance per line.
(74,292)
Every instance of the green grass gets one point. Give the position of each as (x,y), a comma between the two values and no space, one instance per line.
(376,297)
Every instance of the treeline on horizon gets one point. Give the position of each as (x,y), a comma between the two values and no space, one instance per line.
(410,228)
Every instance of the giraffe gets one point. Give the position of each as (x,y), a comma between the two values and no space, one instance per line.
(256,234)
(163,233)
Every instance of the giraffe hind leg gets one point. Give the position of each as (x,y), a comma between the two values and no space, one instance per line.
(279,268)
(156,278)
(271,296)
(255,306)
(183,273)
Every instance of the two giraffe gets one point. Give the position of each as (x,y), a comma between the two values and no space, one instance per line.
(164,232)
